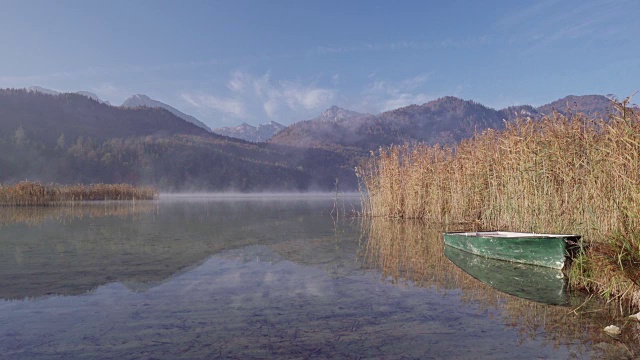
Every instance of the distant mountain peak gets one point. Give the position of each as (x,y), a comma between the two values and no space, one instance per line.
(90,95)
(333,109)
(336,113)
(244,131)
(591,105)
(143,100)
(93,96)
(451,100)
(140,97)
(272,124)
(42,90)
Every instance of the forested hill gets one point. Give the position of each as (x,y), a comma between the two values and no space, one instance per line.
(69,138)
(45,118)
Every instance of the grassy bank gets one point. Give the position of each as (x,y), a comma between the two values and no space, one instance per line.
(27,193)
(564,174)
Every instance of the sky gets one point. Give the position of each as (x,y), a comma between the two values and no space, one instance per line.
(229,62)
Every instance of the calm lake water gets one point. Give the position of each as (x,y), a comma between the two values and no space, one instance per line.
(251,278)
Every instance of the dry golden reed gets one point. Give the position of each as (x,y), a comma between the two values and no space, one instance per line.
(27,193)
(560,174)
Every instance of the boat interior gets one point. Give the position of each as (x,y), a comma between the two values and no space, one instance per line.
(508,234)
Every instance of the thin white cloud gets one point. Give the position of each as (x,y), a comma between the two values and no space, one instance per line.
(335,79)
(384,95)
(254,98)
(402,100)
(461,43)
(296,95)
(238,82)
(270,108)
(281,95)
(522,15)
(566,22)
(229,106)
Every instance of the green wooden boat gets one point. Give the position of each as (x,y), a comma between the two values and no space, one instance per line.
(550,250)
(537,283)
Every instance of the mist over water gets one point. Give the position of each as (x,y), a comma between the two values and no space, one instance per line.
(245,276)
(269,196)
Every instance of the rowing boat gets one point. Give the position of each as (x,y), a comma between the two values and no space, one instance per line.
(550,250)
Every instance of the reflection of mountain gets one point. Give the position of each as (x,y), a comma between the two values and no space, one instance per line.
(81,252)
(257,306)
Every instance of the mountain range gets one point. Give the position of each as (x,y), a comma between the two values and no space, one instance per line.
(134,101)
(69,138)
(45,117)
(446,120)
(76,137)
(244,131)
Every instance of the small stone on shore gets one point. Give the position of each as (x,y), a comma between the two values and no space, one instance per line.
(612,330)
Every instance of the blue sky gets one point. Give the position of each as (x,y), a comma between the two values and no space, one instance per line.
(228,62)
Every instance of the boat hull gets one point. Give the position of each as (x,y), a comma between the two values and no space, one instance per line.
(537,283)
(535,249)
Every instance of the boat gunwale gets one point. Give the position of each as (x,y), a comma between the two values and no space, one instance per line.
(510,234)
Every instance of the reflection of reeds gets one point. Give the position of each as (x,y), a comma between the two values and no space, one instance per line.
(413,251)
(561,174)
(35,215)
(27,193)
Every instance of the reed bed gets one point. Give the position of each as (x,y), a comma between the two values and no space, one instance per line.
(27,193)
(562,174)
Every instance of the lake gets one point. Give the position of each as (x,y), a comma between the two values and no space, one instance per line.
(243,277)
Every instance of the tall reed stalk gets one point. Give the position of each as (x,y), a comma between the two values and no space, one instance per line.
(561,174)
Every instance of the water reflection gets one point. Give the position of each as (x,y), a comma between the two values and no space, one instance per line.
(276,278)
(538,283)
(413,252)
(37,215)
(69,251)
(252,303)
